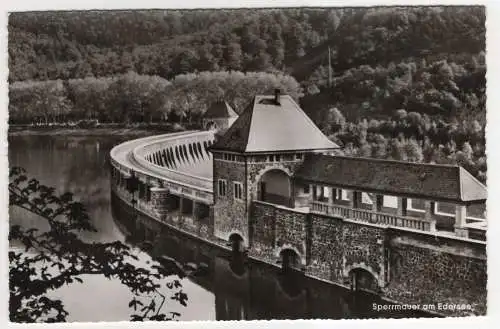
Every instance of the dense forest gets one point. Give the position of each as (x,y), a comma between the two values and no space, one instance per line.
(405,83)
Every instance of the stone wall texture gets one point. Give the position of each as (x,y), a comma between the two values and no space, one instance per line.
(405,266)
(230,215)
(438,270)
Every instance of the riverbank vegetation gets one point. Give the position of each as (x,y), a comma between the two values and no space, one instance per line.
(405,83)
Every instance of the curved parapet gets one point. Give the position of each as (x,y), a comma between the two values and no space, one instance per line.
(178,161)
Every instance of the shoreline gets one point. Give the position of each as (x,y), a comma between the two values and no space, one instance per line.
(101,130)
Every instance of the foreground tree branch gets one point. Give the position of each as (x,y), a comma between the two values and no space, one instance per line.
(57,257)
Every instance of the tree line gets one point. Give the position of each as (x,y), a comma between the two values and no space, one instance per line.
(410,136)
(132,98)
(445,88)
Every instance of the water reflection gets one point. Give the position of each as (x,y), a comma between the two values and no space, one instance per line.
(79,165)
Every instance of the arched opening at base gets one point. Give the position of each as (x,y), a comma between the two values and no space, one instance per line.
(289,260)
(363,280)
(237,243)
(237,262)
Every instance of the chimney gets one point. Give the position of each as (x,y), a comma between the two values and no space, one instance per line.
(277,96)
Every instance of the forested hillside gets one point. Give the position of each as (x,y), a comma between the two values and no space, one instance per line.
(404,82)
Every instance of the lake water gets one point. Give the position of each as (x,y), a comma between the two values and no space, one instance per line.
(227,291)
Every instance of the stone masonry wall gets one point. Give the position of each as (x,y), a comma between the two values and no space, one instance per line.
(437,270)
(274,228)
(365,249)
(263,231)
(230,215)
(326,248)
(406,266)
(291,231)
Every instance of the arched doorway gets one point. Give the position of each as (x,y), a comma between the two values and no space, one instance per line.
(289,260)
(363,280)
(237,261)
(275,187)
(236,243)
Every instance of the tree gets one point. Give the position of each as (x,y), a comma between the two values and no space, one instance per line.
(57,256)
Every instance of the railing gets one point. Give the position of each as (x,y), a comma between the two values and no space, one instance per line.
(130,156)
(141,151)
(373,217)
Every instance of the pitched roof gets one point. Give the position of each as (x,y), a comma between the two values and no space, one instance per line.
(432,181)
(220,109)
(265,126)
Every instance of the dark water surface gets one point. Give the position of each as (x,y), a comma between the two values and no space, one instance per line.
(227,289)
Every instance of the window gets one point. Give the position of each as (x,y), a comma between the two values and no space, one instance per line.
(326,192)
(228,157)
(417,205)
(390,201)
(298,156)
(344,195)
(238,190)
(222,186)
(274,158)
(306,189)
(366,198)
(444,209)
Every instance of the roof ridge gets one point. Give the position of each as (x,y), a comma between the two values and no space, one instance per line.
(307,118)
(250,108)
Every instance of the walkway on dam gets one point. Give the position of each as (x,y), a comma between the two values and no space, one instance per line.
(194,173)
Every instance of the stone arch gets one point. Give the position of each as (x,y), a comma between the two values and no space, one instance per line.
(181,154)
(196,156)
(186,155)
(164,157)
(172,157)
(167,158)
(350,272)
(235,235)
(177,156)
(200,151)
(274,184)
(279,252)
(160,160)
